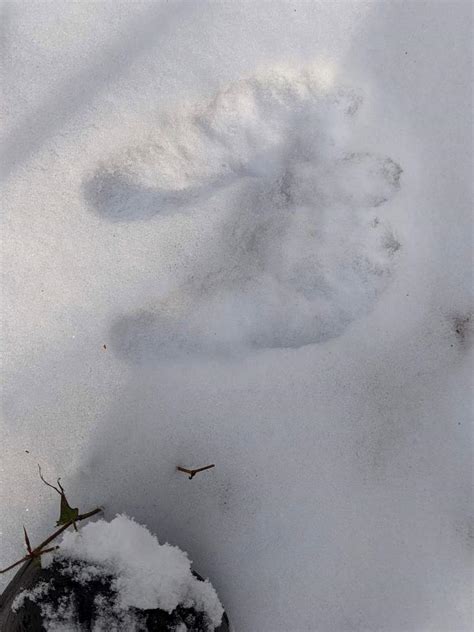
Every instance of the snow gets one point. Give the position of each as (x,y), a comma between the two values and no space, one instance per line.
(264,212)
(35,594)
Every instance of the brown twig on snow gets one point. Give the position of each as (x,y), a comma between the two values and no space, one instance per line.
(67,513)
(68,517)
(39,550)
(192,473)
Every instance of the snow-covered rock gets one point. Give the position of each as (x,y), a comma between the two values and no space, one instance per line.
(117,576)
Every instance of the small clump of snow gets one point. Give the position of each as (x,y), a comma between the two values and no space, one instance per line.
(40,590)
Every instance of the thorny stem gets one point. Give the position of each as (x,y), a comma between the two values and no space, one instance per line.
(192,473)
(39,550)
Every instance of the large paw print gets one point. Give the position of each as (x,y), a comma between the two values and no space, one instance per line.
(301,246)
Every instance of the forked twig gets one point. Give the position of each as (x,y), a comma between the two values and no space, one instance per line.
(39,550)
(68,517)
(192,473)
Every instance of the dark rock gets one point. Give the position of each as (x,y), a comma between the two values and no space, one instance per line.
(28,617)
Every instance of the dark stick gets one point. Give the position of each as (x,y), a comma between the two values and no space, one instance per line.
(193,473)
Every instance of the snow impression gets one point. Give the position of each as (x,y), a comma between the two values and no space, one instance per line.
(146,575)
(302,246)
(186,190)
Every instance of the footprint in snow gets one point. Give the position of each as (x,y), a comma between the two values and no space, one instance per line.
(301,247)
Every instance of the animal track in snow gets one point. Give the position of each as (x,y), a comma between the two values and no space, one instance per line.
(300,247)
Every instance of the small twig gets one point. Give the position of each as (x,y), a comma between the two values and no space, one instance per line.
(66,525)
(39,550)
(192,473)
(68,516)
(9,568)
(52,548)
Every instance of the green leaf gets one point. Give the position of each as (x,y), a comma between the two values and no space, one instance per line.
(67,513)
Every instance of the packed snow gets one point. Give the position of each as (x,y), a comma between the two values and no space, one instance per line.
(241,233)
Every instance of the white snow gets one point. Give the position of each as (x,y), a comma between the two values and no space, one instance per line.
(35,594)
(213,192)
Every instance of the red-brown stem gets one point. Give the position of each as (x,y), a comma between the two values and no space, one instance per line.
(39,550)
(9,568)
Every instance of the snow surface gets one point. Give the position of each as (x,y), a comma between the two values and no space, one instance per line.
(240,233)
